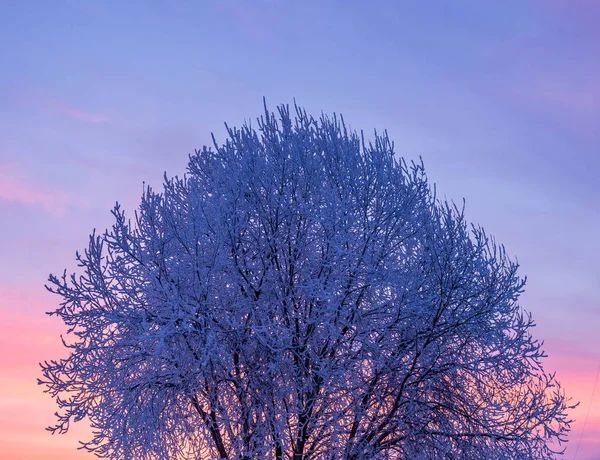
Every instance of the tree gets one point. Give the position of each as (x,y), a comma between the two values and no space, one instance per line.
(301,294)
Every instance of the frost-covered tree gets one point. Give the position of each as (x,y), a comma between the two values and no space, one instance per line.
(301,294)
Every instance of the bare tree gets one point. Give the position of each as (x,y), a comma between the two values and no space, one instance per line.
(301,294)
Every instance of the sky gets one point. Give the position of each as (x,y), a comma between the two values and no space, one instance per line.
(500,99)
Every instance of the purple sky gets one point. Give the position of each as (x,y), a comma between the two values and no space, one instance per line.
(501,99)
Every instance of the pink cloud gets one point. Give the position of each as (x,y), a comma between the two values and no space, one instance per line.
(16,188)
(583,6)
(572,105)
(565,96)
(77,114)
(248,18)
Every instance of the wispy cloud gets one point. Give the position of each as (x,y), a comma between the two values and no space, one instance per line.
(571,106)
(570,102)
(564,95)
(251,19)
(15,187)
(77,114)
(584,6)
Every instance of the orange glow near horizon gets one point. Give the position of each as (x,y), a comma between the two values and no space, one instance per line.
(25,410)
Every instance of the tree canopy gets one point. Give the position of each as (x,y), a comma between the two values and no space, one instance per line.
(301,293)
